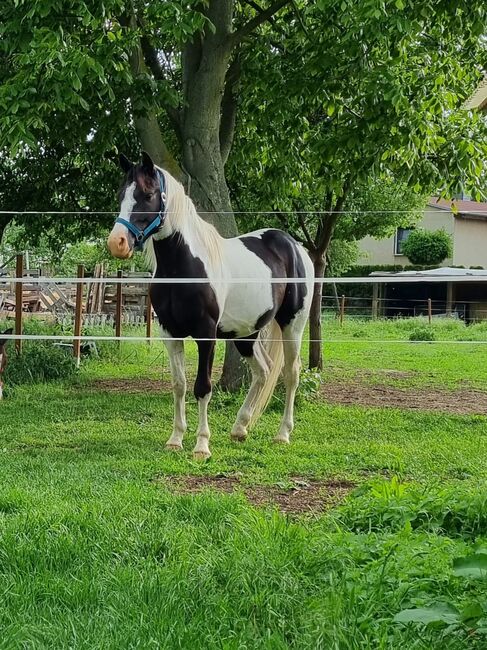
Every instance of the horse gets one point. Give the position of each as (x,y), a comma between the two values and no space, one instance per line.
(3,357)
(232,297)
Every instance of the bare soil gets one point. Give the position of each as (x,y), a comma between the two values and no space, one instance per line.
(300,496)
(460,401)
(358,392)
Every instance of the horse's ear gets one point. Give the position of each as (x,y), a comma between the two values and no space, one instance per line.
(147,164)
(125,163)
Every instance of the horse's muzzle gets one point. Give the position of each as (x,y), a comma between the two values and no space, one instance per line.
(119,244)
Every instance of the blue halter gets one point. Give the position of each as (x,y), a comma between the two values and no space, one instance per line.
(142,236)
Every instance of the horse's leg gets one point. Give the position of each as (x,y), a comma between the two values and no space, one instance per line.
(255,354)
(202,392)
(291,339)
(176,363)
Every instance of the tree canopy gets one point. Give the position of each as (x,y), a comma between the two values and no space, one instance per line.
(297,104)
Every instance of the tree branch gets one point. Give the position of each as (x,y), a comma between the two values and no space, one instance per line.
(153,63)
(328,221)
(262,17)
(309,240)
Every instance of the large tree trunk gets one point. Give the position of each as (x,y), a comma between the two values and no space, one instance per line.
(315,334)
(203,160)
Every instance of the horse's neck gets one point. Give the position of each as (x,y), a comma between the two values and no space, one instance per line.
(187,235)
(174,258)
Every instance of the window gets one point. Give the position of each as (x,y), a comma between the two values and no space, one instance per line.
(401,236)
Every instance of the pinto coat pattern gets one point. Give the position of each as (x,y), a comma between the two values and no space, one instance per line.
(234,296)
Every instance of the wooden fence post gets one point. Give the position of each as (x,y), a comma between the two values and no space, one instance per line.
(449,298)
(430,311)
(148,317)
(375,300)
(78,315)
(19,291)
(118,309)
(342,309)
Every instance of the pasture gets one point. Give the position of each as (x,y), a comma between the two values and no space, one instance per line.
(109,541)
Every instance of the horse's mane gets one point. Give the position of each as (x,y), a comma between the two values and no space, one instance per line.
(183,218)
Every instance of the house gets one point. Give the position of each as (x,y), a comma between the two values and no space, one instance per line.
(464,220)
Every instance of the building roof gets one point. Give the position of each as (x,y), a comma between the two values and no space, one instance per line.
(463,209)
(479,98)
(443,270)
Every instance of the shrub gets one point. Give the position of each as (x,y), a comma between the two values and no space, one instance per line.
(39,362)
(422,334)
(427,247)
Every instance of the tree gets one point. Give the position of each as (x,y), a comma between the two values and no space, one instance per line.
(166,71)
(328,93)
(427,248)
(359,90)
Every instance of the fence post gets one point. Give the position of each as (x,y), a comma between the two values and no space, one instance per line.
(449,298)
(342,309)
(118,309)
(375,300)
(78,315)
(430,311)
(19,290)
(148,317)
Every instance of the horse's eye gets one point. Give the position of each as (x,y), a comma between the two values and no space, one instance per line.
(148,197)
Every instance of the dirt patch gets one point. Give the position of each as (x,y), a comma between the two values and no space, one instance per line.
(135,385)
(296,497)
(461,402)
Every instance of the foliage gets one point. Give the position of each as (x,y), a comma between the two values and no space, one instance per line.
(45,252)
(95,252)
(393,505)
(422,334)
(342,254)
(39,362)
(471,619)
(428,247)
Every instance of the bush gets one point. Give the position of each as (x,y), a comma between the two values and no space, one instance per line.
(39,362)
(427,247)
(422,334)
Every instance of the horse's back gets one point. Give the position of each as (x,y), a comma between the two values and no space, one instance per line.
(266,255)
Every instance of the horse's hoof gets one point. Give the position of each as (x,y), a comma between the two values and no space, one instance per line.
(280,440)
(238,434)
(171,447)
(201,455)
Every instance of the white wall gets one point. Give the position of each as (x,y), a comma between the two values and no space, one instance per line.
(381,251)
(470,242)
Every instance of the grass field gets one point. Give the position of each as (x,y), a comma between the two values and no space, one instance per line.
(100,547)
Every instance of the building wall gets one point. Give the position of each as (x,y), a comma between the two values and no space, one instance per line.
(470,242)
(382,251)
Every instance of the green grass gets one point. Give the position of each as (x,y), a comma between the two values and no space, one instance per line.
(94,553)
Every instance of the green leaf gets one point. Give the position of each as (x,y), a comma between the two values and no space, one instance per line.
(111,36)
(471,566)
(438,613)
(330,110)
(472,613)
(400,4)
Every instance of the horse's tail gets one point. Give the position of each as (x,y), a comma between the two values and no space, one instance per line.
(271,353)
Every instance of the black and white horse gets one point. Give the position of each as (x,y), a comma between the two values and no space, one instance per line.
(266,320)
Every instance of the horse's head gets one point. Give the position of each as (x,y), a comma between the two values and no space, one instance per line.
(3,357)
(142,206)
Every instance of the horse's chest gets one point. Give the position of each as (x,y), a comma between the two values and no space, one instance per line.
(185,310)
